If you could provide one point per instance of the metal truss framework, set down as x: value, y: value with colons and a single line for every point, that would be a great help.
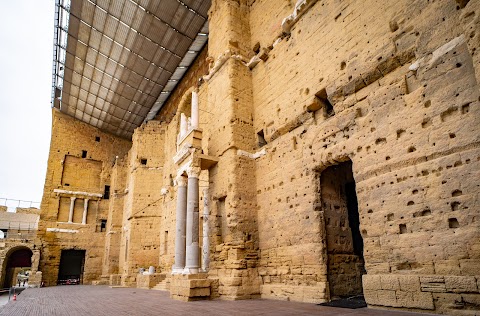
x: 117, y: 61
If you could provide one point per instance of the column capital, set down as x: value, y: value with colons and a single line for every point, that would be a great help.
x: 73, y: 198
x: 181, y: 181
x: 193, y: 172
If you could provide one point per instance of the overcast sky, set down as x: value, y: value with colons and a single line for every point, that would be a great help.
x: 26, y: 44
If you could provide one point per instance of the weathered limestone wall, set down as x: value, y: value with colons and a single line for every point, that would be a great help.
x: 392, y: 90
x: 410, y: 131
x: 233, y: 202
x: 69, y: 138
x: 114, y: 218
x: 142, y: 203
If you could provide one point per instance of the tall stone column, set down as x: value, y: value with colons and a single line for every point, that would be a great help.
x: 206, y: 241
x: 85, y: 210
x: 180, y: 227
x: 194, y: 110
x: 72, y: 206
x: 183, y: 125
x: 192, y: 258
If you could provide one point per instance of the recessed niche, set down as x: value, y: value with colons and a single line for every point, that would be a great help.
x: 453, y: 223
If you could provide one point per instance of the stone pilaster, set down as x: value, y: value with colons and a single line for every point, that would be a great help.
x: 206, y: 231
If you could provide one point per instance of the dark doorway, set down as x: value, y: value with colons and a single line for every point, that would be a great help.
x: 71, y: 267
x: 18, y: 261
x: 344, y: 241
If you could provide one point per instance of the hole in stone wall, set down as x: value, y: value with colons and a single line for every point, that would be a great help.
x: 453, y: 223
x: 261, y: 139
x: 455, y: 206
x: 456, y: 193
x: 402, y: 228
x: 97, y: 138
x: 106, y: 193
x: 143, y: 161
x: 411, y: 149
x: 84, y: 154
x: 343, y: 65
x: 465, y: 108
x: 461, y: 3
x: 425, y: 212
x: 400, y: 132
x: 390, y: 217
x: 323, y: 98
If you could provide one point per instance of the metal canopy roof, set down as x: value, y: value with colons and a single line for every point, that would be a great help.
x: 116, y: 61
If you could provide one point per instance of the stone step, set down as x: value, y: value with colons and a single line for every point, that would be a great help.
x: 161, y: 286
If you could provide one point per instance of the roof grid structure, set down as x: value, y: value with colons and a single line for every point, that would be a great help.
x: 117, y: 61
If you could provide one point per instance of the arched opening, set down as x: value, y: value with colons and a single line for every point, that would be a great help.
x: 17, y: 267
x: 345, y: 262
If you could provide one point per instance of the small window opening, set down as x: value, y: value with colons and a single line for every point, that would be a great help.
x: 403, y: 228
x: 84, y: 154
x: 261, y: 139
x: 106, y: 193
x: 327, y: 106
x: 143, y: 161
x: 103, y: 225
x: 67, y: 184
x: 97, y: 138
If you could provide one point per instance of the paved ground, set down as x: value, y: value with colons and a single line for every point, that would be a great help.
x: 102, y: 300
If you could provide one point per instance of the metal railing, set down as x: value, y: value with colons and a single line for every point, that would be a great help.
x: 12, y: 203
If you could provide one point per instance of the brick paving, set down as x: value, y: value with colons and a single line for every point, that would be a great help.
x: 102, y: 301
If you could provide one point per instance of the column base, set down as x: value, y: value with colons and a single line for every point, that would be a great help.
x: 191, y: 287
x: 190, y: 270
x: 177, y: 270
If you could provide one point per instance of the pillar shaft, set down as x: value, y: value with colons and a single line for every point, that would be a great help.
x: 183, y: 125
x: 194, y: 109
x: 180, y: 225
x: 192, y: 245
x: 206, y: 242
x: 72, y: 206
x: 85, y: 210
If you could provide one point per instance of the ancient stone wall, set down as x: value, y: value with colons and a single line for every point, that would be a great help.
x: 114, y: 218
x: 389, y: 96
x: 74, y: 148
x: 394, y: 90
x: 142, y: 212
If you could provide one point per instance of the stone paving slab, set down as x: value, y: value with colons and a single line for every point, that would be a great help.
x: 73, y: 300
